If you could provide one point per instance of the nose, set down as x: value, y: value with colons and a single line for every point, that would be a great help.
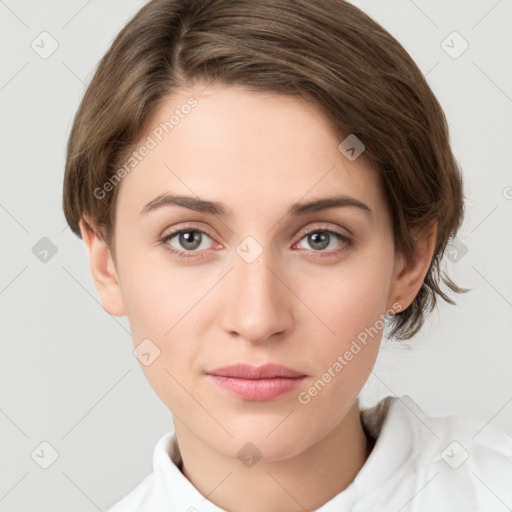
x: 256, y: 301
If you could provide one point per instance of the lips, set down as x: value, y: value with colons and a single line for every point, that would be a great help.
x: 267, y: 371
x: 262, y: 383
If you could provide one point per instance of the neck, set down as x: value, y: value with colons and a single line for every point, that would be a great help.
x: 302, y: 482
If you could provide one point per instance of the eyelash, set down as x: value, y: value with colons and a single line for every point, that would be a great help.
x: 348, y: 242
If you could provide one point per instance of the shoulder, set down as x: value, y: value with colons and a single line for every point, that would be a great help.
x: 166, y: 488
x: 454, y: 439
x: 456, y: 459
x: 148, y: 492
x: 135, y: 498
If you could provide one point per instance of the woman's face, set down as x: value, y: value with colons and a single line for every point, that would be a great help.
x: 257, y: 276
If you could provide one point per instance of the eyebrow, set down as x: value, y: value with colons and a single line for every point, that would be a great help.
x: 215, y: 208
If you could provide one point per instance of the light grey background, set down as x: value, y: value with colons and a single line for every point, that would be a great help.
x: 68, y: 375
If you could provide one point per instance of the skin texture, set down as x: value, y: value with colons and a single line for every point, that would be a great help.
x: 293, y: 305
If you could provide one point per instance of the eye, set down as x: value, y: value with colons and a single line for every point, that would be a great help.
x: 187, y: 240
x: 190, y: 242
x: 321, y: 239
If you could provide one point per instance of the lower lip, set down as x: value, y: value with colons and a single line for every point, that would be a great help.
x: 258, y: 390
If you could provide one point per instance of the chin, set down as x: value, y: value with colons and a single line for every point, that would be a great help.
x: 270, y: 438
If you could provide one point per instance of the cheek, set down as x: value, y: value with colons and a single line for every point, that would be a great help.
x: 169, y: 306
x: 353, y: 306
x: 163, y: 305
x: 352, y: 297
x: 159, y: 296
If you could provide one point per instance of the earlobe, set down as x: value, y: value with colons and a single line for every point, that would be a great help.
x: 409, y: 276
x: 103, y: 271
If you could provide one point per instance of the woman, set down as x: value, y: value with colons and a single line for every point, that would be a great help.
x: 263, y: 186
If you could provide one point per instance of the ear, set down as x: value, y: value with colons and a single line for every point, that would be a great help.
x: 103, y: 271
x: 408, y: 277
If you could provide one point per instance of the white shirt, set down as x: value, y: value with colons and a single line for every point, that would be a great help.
x: 418, y: 464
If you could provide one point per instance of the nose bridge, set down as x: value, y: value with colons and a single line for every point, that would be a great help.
x: 258, y: 304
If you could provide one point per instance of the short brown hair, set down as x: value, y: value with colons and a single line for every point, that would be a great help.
x: 326, y: 51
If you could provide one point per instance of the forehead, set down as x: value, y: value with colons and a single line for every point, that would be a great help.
x: 245, y: 149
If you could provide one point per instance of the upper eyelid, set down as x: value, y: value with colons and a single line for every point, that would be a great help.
x: 186, y: 229
x: 329, y: 230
